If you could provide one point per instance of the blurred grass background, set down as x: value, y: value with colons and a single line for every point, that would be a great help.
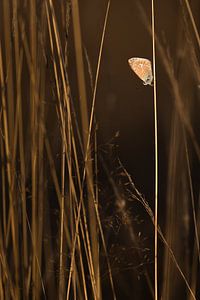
x: 77, y: 150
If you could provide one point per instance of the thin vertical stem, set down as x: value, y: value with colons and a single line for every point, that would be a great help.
x: 156, y: 155
x: 61, y: 274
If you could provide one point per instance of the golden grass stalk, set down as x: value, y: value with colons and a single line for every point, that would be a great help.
x: 156, y: 155
x: 74, y: 147
x: 85, y: 133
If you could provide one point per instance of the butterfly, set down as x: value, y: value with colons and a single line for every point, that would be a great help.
x: 142, y: 68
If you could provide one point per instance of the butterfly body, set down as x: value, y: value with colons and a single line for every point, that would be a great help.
x: 142, y: 68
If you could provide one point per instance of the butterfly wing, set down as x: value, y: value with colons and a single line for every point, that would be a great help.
x: 142, y: 68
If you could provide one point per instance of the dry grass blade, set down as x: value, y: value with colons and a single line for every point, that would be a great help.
x: 192, y: 200
x: 193, y: 22
x: 85, y: 133
x: 156, y: 152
